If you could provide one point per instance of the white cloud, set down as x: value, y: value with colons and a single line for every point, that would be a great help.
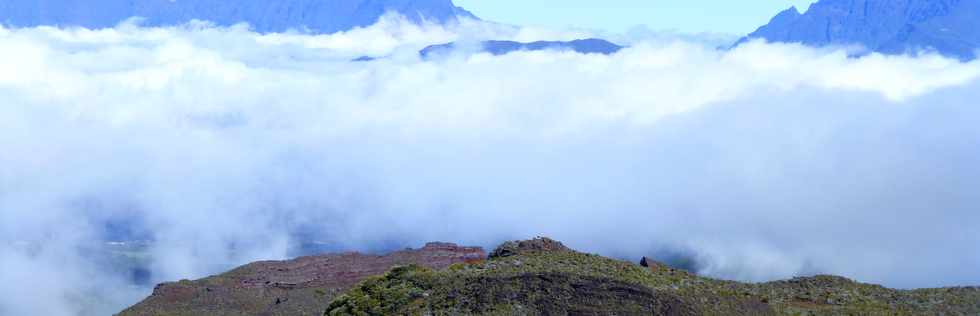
x: 765, y: 161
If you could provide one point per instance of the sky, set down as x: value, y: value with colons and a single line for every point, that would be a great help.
x: 690, y: 16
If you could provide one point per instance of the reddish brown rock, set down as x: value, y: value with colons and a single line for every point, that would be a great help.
x: 302, y: 286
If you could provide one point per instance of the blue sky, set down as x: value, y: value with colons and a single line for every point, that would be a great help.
x: 692, y: 16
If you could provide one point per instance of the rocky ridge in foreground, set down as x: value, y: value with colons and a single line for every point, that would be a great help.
x: 542, y: 277
x: 531, y: 277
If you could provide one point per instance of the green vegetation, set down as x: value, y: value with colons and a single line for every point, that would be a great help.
x: 395, y: 292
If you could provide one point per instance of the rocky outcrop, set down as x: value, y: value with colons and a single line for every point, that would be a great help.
x: 290, y: 287
x: 540, y: 244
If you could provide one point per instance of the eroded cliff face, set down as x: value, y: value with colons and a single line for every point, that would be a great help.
x: 318, y: 16
x: 950, y: 27
x: 293, y: 287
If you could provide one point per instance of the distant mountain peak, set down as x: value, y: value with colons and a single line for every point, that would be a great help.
x: 949, y: 27
x: 318, y: 16
x: 792, y: 12
x: 529, y: 277
x: 582, y: 46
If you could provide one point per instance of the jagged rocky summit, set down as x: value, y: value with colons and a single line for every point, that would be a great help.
x: 949, y: 27
x: 317, y: 16
x: 531, y: 277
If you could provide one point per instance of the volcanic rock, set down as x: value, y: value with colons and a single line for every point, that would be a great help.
x: 540, y: 244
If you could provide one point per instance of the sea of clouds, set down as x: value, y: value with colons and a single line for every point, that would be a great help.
x: 220, y: 146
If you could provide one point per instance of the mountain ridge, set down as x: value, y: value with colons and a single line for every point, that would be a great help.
x: 503, y: 47
x: 498, y: 47
x: 948, y: 27
x: 317, y: 16
x: 540, y: 276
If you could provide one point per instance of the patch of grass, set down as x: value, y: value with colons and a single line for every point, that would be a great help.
x: 399, y: 291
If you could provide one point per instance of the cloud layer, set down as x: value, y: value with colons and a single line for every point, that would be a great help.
x: 223, y: 146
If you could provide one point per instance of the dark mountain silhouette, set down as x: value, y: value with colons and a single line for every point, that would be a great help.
x: 318, y: 16
x: 949, y: 27
x: 584, y: 46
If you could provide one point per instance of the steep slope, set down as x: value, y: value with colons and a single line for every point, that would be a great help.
x: 303, y: 286
x: 319, y: 16
x: 541, y: 277
x: 950, y: 27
